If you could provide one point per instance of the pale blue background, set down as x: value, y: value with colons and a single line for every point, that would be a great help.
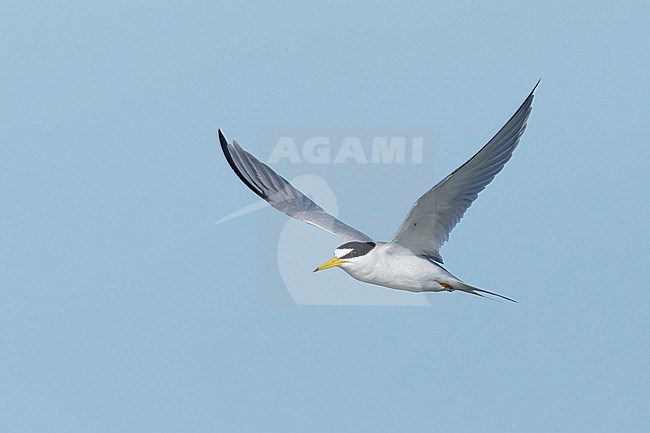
x: 123, y: 308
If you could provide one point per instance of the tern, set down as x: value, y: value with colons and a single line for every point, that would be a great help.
x: 410, y: 261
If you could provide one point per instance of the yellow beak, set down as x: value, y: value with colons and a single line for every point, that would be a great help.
x: 329, y: 264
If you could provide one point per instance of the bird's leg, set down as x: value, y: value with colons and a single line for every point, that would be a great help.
x: 446, y: 286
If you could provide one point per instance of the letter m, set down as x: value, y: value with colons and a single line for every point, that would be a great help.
x: 386, y: 152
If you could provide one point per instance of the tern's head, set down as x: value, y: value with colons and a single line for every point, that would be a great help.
x: 348, y: 254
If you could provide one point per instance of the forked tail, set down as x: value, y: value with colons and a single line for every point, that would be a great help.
x: 479, y: 292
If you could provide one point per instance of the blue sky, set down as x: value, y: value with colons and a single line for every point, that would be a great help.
x: 125, y: 308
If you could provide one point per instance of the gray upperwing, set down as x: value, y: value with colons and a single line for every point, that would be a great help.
x: 436, y: 213
x: 283, y: 196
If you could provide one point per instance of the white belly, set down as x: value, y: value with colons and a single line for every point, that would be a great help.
x: 400, y: 269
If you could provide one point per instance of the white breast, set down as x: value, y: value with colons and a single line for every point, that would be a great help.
x: 397, y: 268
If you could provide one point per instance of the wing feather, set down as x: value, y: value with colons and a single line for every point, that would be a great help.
x: 435, y: 214
x: 283, y: 196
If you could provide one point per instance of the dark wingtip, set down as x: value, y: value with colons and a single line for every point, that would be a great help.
x: 231, y: 162
x: 532, y: 92
x: 222, y: 139
x: 528, y: 102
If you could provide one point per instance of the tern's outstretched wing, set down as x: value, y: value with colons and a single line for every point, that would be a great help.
x: 437, y: 212
x: 280, y: 194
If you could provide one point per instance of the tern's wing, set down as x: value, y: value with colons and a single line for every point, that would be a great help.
x: 437, y: 212
x: 280, y: 194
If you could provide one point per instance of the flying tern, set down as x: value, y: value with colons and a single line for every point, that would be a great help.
x: 411, y: 260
